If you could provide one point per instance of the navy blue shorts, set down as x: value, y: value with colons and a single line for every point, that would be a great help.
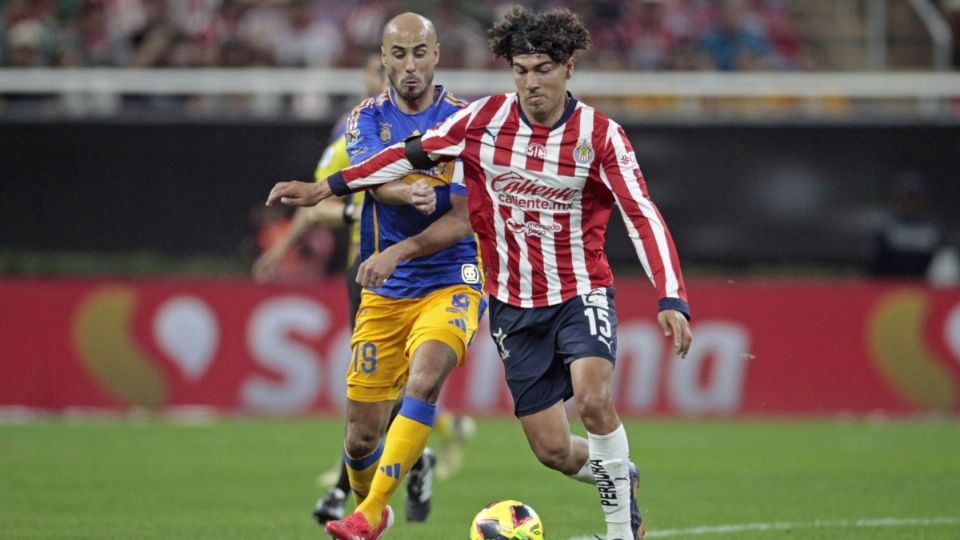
x: 537, y: 345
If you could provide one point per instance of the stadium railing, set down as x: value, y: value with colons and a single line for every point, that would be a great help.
x: 931, y: 95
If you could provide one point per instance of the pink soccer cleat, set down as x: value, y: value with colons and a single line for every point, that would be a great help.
x: 356, y: 527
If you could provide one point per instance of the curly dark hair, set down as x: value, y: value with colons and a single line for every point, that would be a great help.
x: 557, y: 33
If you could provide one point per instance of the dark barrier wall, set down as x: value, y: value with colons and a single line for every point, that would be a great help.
x: 730, y: 193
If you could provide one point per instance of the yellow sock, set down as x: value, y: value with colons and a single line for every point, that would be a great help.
x: 405, y: 441
x: 360, y: 471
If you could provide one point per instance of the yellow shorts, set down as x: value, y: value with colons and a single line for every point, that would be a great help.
x: 389, y: 330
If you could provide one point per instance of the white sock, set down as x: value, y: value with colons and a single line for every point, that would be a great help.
x: 585, y: 474
x: 610, y: 463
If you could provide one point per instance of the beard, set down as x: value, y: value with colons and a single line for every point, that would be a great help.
x: 410, y: 94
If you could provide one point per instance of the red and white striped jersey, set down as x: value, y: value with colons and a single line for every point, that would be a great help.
x: 540, y: 198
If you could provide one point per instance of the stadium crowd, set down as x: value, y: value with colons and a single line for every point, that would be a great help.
x: 637, y: 35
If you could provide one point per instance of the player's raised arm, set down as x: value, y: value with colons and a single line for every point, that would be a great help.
x: 442, y: 143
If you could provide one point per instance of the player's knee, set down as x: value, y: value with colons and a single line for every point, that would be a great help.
x: 553, y: 456
x: 424, y: 388
x: 360, y: 441
x: 596, y: 410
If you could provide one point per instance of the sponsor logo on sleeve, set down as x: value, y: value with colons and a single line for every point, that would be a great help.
x: 470, y: 273
x: 352, y: 136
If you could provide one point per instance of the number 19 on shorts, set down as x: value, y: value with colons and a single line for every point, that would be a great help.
x: 364, y: 358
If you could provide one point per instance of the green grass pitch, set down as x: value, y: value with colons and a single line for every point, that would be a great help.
x: 255, y: 478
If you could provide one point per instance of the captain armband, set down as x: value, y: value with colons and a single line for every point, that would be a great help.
x: 416, y: 156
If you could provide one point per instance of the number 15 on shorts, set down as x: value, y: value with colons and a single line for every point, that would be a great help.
x: 599, y: 320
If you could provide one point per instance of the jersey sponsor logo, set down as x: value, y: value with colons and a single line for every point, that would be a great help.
x: 529, y: 194
x: 628, y: 160
x: 583, y: 152
x: 352, y: 136
x: 532, y: 228
x: 470, y: 273
x: 596, y: 298
x: 385, y: 134
x: 606, y: 484
x: 537, y: 151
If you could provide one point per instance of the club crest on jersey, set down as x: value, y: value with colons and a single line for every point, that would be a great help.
x: 583, y: 152
x: 385, y: 134
x: 537, y: 151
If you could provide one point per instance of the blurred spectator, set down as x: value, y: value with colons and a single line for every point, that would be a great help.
x: 90, y: 41
x: 654, y: 39
x: 305, y: 39
x: 735, y: 42
x: 152, y: 36
x: 645, y: 34
x: 628, y: 34
x: 909, y: 238
x: 951, y: 12
x: 28, y: 44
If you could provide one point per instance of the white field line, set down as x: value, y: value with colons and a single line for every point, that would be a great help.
x: 783, y: 526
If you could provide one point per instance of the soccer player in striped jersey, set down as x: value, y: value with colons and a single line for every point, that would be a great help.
x: 543, y: 172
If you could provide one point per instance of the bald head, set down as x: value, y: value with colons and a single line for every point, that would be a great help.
x: 410, y: 53
x: 409, y: 27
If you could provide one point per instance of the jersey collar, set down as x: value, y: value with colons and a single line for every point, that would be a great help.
x: 571, y: 105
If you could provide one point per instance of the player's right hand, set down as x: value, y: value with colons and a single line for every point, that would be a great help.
x: 297, y: 193
x: 423, y: 197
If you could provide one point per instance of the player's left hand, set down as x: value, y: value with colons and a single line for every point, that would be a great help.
x: 423, y: 197
x: 374, y: 271
x: 675, y: 324
x: 297, y: 193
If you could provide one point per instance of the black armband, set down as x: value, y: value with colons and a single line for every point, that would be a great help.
x: 416, y: 156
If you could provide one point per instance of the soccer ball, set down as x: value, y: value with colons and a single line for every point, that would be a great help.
x: 506, y: 520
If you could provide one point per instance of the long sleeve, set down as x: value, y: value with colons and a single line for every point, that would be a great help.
x: 443, y: 142
x: 648, y: 231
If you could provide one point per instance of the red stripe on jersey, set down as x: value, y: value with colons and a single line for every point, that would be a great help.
x: 479, y: 203
x: 564, y: 251
x: 571, y: 132
x: 513, y: 260
x: 537, y: 149
x: 632, y: 208
x: 593, y: 222
x: 456, y: 133
x: 538, y: 272
x: 505, y: 138
x: 374, y: 163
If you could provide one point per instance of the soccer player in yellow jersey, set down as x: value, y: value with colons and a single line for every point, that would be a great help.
x: 422, y: 299
x: 334, y: 213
